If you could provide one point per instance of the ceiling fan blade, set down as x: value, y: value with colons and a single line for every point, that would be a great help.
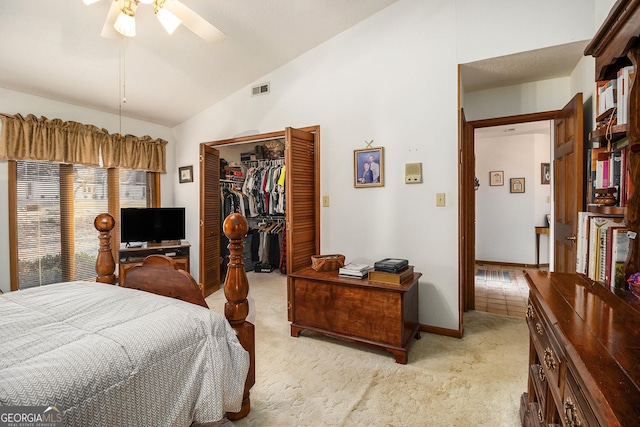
x: 108, y: 31
x: 195, y: 22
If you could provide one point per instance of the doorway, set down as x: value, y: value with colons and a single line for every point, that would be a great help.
x: 513, y: 198
x: 467, y: 191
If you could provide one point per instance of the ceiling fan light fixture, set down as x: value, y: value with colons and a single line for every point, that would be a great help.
x: 126, y: 22
x: 168, y: 20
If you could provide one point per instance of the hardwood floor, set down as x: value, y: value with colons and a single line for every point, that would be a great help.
x: 494, y: 294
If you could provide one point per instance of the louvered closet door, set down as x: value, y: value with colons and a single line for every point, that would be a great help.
x: 209, y: 219
x: 303, y: 207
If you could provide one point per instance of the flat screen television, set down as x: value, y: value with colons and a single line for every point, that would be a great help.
x: 152, y: 225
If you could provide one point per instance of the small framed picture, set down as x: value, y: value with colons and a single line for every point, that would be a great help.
x: 186, y: 174
x: 517, y: 185
x: 368, y: 167
x: 545, y: 173
x: 496, y: 178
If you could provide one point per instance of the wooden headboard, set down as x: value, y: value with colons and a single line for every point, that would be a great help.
x: 160, y: 275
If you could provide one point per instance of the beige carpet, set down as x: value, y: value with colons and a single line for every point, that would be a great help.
x: 315, y: 380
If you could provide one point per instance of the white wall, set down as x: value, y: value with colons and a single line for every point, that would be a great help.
x: 12, y: 102
x: 602, y: 8
x: 545, y: 95
x: 505, y: 221
x: 393, y: 79
x: 502, y: 27
x: 360, y: 86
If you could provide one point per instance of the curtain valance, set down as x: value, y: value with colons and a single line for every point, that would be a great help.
x: 33, y: 138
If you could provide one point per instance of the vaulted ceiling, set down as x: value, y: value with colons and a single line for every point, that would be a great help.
x: 54, y: 49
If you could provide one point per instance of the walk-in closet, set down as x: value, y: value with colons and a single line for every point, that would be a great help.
x: 273, y: 180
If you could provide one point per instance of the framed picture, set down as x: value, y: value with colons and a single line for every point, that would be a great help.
x: 368, y: 167
x: 496, y: 178
x: 186, y: 174
x: 517, y: 185
x: 545, y: 173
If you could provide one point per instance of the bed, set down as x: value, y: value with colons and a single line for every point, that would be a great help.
x: 148, y: 352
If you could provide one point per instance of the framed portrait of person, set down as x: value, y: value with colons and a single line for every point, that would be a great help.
x: 368, y: 167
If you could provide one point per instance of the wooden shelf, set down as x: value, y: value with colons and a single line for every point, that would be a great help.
x: 600, y: 135
x: 607, y: 210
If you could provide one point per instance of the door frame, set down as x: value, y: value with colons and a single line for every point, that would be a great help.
x: 467, y: 191
x: 255, y: 138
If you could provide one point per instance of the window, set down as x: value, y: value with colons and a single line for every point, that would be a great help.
x: 55, y: 206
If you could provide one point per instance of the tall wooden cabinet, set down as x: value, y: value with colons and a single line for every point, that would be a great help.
x: 584, y: 337
x: 302, y: 182
x: 615, y: 46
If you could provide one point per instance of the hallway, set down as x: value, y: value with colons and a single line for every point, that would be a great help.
x: 501, y: 290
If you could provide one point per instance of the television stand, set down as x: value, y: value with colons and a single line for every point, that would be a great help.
x: 164, y: 243
x: 129, y: 257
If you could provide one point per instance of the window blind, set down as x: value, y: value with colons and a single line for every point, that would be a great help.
x: 56, y: 207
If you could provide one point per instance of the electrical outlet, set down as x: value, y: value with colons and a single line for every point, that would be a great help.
x: 440, y: 200
x: 325, y: 201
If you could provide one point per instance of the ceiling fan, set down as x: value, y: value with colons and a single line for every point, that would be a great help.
x: 120, y: 19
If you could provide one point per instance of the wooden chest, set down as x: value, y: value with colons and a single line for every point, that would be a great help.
x: 378, y: 314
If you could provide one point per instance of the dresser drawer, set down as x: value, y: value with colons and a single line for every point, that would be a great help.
x: 536, y: 418
x: 551, y: 357
x: 576, y: 410
x: 539, y: 380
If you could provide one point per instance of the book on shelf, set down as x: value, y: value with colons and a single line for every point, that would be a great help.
x: 598, y: 226
x: 391, y: 278
x: 582, y: 241
x: 606, y: 95
x: 617, y: 248
x: 602, y: 170
x: 619, y: 255
x: 608, y: 170
x: 624, y: 80
x: 355, y: 270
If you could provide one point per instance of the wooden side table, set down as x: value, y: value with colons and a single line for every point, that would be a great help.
x: 539, y: 231
x: 378, y: 314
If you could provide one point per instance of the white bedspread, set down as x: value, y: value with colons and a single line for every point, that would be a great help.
x: 109, y: 356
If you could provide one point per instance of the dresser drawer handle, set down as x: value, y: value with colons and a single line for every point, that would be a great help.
x: 539, y: 329
x: 541, y: 374
x: 570, y: 414
x: 529, y: 312
x: 549, y: 359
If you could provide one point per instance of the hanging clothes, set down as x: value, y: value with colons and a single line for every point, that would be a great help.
x: 270, y: 248
x: 264, y: 186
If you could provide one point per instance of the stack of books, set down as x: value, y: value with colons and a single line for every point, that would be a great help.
x: 391, y: 271
x: 353, y: 270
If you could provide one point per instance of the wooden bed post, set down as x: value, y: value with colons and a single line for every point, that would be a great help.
x: 236, y: 309
x: 105, y: 264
